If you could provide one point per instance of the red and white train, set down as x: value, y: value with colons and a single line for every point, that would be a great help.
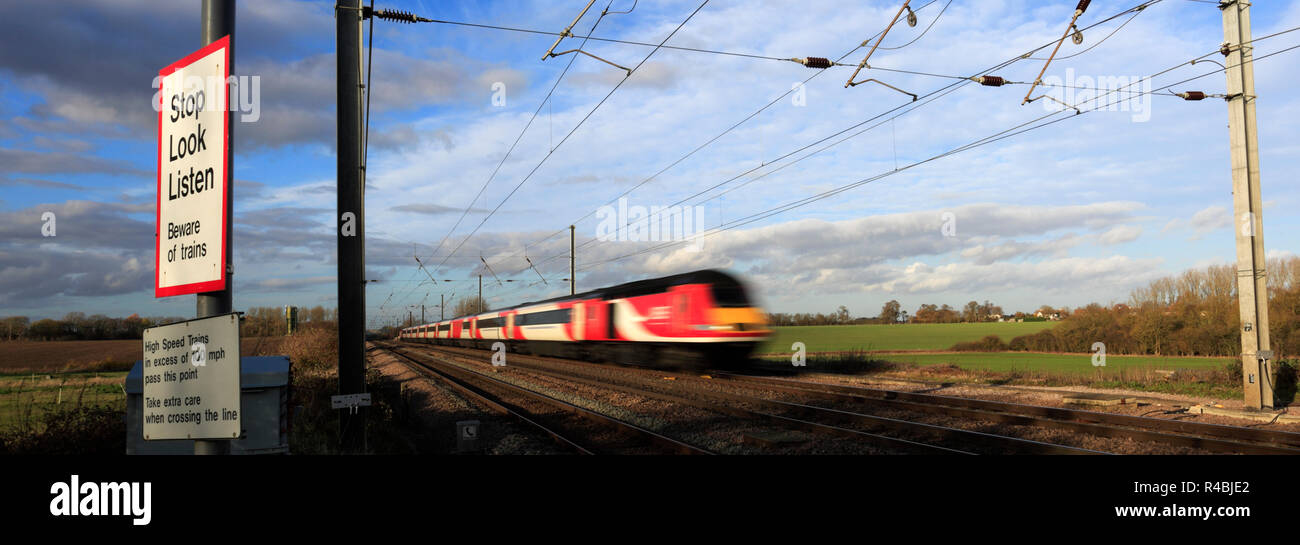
x: 702, y: 319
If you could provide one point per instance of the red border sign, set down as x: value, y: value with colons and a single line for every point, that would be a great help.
x: 213, y: 285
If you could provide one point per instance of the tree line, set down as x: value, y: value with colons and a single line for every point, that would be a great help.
x: 841, y: 316
x: 1191, y: 314
x: 893, y: 313
x: 76, y: 326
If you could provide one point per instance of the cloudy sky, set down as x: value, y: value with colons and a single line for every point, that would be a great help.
x: 1081, y: 210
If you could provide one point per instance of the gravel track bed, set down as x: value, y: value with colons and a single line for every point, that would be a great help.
x: 438, y: 408
x: 1151, y: 404
x: 715, y: 431
x: 593, y: 435
x: 687, y: 384
x: 681, y: 385
x: 1164, y: 407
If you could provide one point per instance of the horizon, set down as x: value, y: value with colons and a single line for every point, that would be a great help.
x: 1061, y: 216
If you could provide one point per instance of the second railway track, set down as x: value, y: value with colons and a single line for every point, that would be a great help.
x: 879, y: 433
x: 835, y: 410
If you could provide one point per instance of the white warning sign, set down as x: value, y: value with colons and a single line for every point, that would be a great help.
x: 191, y: 379
x: 193, y: 144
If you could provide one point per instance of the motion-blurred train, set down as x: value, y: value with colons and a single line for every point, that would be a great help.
x: 698, y: 319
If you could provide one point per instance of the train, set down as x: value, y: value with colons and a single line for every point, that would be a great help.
x: 700, y: 319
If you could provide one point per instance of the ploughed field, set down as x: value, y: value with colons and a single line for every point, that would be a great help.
x: 72, y: 356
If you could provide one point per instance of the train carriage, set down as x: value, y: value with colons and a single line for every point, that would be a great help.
x: 702, y: 318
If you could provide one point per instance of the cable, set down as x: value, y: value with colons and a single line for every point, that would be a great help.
x: 1139, y: 7
x: 611, y: 40
x: 940, y: 92
x: 1136, y: 10
x: 978, y: 143
x: 511, y: 150
x: 1008, y: 133
x: 927, y: 29
x: 515, y: 144
x: 701, y: 146
x: 575, y: 129
x: 1112, y: 33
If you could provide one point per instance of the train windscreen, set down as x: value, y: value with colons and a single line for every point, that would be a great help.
x: 727, y: 294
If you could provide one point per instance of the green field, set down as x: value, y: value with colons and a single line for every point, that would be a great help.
x: 892, y: 342
x: 27, y: 396
x: 893, y: 337
x: 1075, y: 364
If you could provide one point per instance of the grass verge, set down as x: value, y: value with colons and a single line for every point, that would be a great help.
x: 1209, y: 378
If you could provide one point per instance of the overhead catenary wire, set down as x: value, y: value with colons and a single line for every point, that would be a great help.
x: 647, y: 44
x: 1001, y: 135
x: 1136, y: 9
x: 1078, y: 11
x: 697, y: 149
x: 942, y: 90
x: 988, y: 140
x: 1013, y: 82
x: 571, y: 132
x: 628, y: 191
x: 575, y: 129
x: 509, y: 151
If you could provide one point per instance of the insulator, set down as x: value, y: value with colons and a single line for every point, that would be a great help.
x: 396, y: 15
x: 1192, y: 95
x: 816, y: 62
x: 1083, y: 6
x: 990, y: 81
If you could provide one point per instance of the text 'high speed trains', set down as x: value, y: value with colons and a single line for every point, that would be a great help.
x: 697, y: 319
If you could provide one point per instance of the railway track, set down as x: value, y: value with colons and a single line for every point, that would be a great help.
x: 1212, y: 437
x: 890, y: 434
x: 1175, y: 433
x: 578, y: 429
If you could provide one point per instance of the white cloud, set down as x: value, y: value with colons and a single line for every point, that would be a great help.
x: 1210, y: 218
x: 1120, y: 234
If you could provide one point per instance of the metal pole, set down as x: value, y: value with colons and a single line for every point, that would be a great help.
x: 573, y: 274
x: 216, y: 20
x: 1252, y: 288
x: 442, y: 307
x: 421, y: 313
x: 351, y: 218
x: 566, y: 32
x: 480, y: 294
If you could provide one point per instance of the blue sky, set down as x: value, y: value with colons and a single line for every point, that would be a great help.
x: 1082, y: 210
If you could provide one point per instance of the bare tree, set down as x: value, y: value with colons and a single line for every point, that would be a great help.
x: 890, y: 313
x: 470, y: 305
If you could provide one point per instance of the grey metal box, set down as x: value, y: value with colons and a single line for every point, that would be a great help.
x: 264, y: 404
